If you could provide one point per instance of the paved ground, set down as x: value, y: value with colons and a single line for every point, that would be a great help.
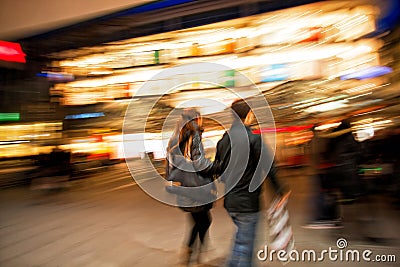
x: 106, y: 220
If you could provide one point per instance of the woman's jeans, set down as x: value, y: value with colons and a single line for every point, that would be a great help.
x: 242, y: 253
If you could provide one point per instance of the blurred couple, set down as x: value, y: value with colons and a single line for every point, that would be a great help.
x: 238, y: 153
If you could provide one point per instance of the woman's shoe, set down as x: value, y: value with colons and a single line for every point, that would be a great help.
x: 201, y: 254
x: 186, y: 256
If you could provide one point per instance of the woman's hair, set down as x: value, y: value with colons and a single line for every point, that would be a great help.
x: 188, y: 126
x: 185, y: 128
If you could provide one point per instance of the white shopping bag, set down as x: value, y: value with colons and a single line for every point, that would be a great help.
x: 280, y: 230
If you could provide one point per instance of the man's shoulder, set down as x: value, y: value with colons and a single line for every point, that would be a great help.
x: 252, y: 137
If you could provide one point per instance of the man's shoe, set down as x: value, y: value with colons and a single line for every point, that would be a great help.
x: 346, y: 201
x: 324, y: 224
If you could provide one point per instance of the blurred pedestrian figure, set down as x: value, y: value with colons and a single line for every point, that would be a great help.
x: 237, y: 156
x: 345, y: 154
x: 54, y: 170
x: 336, y: 156
x: 185, y: 151
x: 324, y: 204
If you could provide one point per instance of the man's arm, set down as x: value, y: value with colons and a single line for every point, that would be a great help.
x: 277, y: 186
x: 266, y: 167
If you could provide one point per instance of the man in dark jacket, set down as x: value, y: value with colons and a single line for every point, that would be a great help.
x: 237, y: 163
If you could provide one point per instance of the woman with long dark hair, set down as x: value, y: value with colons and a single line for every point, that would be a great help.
x: 185, y: 147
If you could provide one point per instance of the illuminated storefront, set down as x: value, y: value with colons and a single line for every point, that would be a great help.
x: 23, y: 140
x: 310, y: 42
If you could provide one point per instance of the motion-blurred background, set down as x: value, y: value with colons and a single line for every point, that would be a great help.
x: 315, y: 62
x: 69, y: 70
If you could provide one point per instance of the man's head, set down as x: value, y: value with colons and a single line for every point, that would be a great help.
x: 242, y: 110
